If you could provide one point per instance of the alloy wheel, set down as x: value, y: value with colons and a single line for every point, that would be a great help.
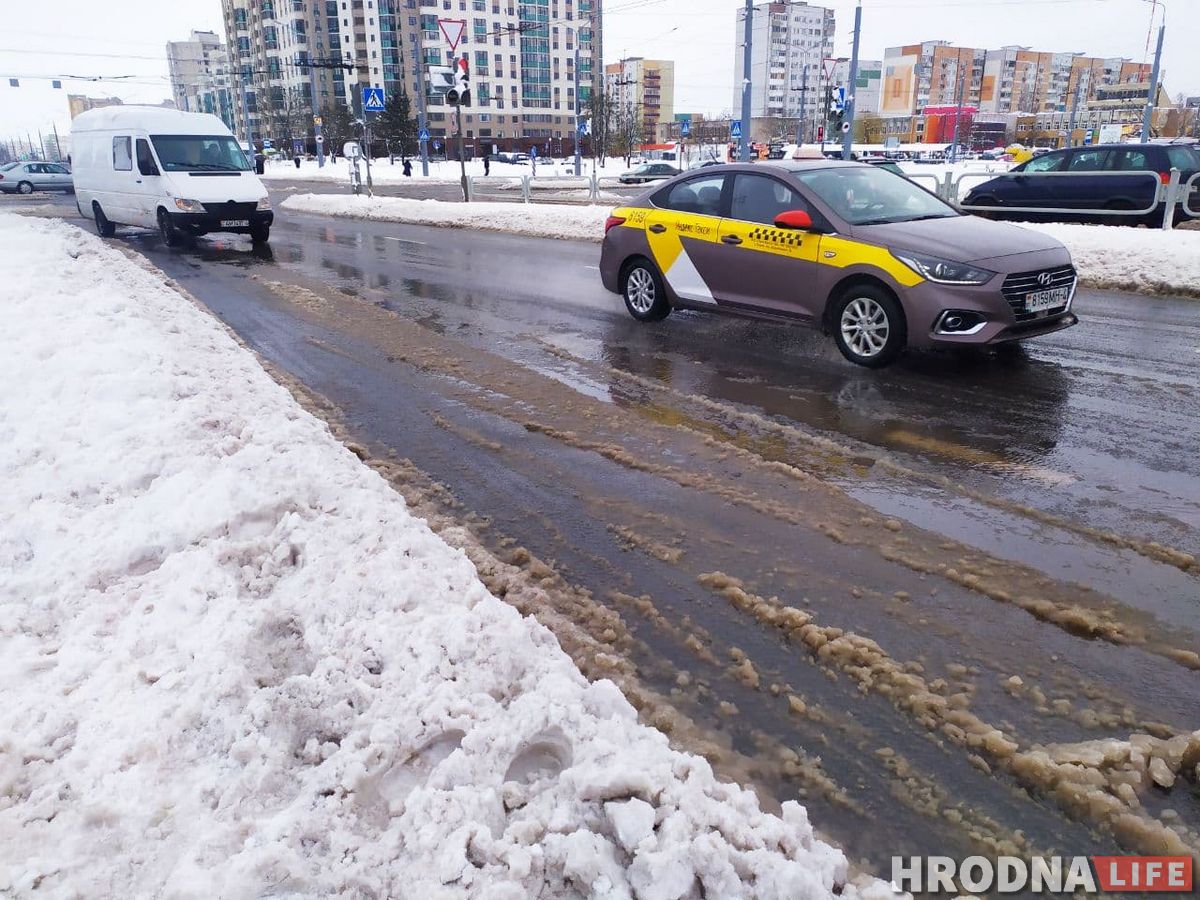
x: 865, y: 327
x: 640, y: 288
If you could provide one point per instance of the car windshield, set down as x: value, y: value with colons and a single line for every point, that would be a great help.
x: 199, y: 153
x: 7, y: 166
x: 868, y: 195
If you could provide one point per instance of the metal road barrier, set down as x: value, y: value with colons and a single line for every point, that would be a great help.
x: 582, y: 189
x: 929, y: 178
x: 1190, y: 202
x: 1161, y: 192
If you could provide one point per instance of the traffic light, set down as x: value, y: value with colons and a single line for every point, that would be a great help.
x: 460, y: 94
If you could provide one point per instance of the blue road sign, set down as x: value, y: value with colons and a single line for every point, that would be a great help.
x: 372, y: 99
x: 685, y: 128
x: 583, y: 126
x: 735, y: 128
x: 423, y: 134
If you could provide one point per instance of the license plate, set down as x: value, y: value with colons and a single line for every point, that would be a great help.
x: 1040, y: 301
x: 235, y: 223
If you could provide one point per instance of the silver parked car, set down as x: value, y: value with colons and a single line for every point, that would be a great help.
x: 27, y: 177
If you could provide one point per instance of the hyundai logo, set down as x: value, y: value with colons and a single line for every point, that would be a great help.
x: 1045, y: 279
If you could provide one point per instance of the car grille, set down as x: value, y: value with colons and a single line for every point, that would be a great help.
x: 1016, y: 286
x: 231, y: 210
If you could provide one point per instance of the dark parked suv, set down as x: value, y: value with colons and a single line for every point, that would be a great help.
x: 1026, y: 187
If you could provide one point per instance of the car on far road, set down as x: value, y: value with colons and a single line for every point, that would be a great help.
x: 1037, y: 184
x: 648, y: 172
x: 35, y: 175
x: 515, y: 159
x: 863, y: 254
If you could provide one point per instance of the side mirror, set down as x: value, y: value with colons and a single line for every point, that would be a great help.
x: 796, y: 219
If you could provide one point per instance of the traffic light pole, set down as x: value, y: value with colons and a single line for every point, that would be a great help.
x: 1152, y: 94
x: 578, y: 110
x: 462, y: 158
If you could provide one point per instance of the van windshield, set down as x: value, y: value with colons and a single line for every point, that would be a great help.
x: 199, y: 153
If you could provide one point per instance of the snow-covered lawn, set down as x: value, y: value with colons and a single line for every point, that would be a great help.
x: 382, y: 171
x: 1130, y: 259
x: 234, y: 665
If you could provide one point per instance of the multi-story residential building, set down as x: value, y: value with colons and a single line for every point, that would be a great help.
x: 521, y: 55
x: 789, y: 43
x: 200, y: 77
x: 933, y: 73
x: 647, y: 88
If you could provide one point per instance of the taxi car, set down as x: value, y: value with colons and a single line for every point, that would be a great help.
x: 864, y: 254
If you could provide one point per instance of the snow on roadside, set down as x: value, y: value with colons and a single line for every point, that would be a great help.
x: 234, y: 664
x: 578, y: 223
x: 1142, y: 260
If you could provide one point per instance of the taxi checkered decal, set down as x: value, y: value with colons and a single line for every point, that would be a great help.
x: 777, y: 236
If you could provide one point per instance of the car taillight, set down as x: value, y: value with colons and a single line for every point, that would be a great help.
x: 1164, y: 177
x: 612, y: 222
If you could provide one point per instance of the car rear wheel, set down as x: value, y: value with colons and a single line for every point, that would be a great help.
x: 25, y: 187
x: 104, y: 227
x: 644, y: 292
x: 869, y: 327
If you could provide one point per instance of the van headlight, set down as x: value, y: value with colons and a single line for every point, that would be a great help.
x: 944, y: 271
x: 189, y: 206
x: 264, y: 203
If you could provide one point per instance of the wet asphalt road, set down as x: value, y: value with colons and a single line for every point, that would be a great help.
x: 638, y: 460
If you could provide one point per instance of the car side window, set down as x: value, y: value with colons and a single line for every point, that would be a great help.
x: 1051, y: 162
x: 122, y: 155
x: 701, y: 196
x: 1087, y: 160
x: 56, y: 170
x: 1129, y: 161
x: 145, y: 159
x: 760, y: 198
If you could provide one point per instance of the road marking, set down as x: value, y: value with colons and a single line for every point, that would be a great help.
x: 597, y: 268
x: 403, y: 240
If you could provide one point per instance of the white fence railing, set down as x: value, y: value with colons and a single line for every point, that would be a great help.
x: 579, y: 189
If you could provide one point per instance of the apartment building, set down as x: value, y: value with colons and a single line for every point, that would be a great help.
x: 200, y: 76
x: 77, y: 103
x: 521, y: 53
x: 789, y: 43
x: 646, y: 86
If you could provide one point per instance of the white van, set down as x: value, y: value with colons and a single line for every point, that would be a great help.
x: 183, y: 173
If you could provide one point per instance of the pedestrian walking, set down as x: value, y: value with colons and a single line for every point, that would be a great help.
x: 407, y: 168
x: 296, y: 160
x: 487, y: 164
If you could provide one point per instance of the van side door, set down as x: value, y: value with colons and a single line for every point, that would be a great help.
x: 119, y: 200
x: 148, y: 189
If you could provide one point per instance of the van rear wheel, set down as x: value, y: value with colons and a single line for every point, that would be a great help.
x: 104, y: 228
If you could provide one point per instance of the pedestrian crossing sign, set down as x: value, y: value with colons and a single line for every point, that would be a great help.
x: 423, y: 134
x: 372, y: 99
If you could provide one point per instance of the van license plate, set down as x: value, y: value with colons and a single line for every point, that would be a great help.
x: 1043, y: 300
x: 235, y: 223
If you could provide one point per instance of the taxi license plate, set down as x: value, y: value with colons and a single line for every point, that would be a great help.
x: 234, y: 223
x: 1040, y: 301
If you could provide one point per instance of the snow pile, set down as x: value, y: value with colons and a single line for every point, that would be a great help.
x: 235, y: 665
x: 579, y: 223
x: 1145, y: 260
x: 1131, y: 259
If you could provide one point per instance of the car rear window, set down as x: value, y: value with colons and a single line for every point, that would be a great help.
x: 1183, y: 158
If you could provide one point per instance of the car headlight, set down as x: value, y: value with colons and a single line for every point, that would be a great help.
x: 264, y: 203
x: 944, y: 271
x: 189, y: 206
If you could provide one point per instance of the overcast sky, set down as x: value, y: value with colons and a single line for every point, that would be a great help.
x: 697, y: 34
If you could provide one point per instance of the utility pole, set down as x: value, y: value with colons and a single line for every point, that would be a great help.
x: 803, y: 101
x: 1151, y: 95
x: 852, y: 86
x: 422, y: 121
x: 578, y: 110
x: 57, y: 145
x: 1075, y: 107
x: 747, y: 45
x: 958, y: 101
x: 316, y: 114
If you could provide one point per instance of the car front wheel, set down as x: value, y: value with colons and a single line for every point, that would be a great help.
x: 869, y: 327
x: 645, y: 295
x: 25, y: 187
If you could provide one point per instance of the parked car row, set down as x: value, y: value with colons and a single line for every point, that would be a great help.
x: 35, y: 175
x: 1059, y: 180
